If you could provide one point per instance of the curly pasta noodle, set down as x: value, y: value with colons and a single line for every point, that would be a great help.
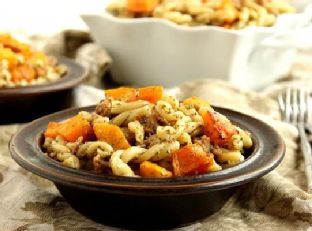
x: 94, y: 148
x: 166, y: 151
x: 121, y: 118
x: 57, y: 149
x: 192, y: 113
x: 246, y: 138
x: 228, y: 157
x: 185, y: 138
x: 170, y: 133
x: 155, y: 153
x: 214, y: 167
x: 138, y: 130
x: 120, y: 158
x: 94, y: 118
x: 119, y: 106
x: 183, y: 123
x: 166, y: 111
x: 131, y: 115
x: 172, y: 101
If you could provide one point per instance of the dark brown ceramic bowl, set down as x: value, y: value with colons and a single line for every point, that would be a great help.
x: 23, y: 104
x: 141, y: 202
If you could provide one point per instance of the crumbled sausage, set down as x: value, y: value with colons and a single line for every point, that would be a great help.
x: 151, y: 140
x: 204, y: 142
x: 130, y: 136
x: 104, y: 108
x: 197, y: 132
x: 149, y: 124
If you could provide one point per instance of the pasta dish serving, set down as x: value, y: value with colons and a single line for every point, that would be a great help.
x: 20, y: 65
x: 144, y: 133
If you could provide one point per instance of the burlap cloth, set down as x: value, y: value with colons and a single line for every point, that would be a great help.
x: 277, y: 201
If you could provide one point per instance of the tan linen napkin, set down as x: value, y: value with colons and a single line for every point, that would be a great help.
x: 274, y: 202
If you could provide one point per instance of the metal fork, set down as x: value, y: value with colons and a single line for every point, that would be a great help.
x: 295, y: 106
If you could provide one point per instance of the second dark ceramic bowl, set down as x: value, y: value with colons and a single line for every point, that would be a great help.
x: 148, y: 203
x: 23, y: 104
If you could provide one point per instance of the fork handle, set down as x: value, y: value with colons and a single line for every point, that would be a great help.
x: 307, y: 155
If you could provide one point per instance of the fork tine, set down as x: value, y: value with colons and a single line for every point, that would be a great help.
x: 288, y: 105
x: 302, y: 106
x: 294, y: 106
x: 308, y: 107
x: 308, y: 112
x: 281, y: 104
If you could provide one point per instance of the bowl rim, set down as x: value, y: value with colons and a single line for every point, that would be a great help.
x: 25, y: 150
x: 172, y: 25
x: 74, y: 75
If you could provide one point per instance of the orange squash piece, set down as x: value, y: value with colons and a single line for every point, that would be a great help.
x: 151, y: 94
x: 190, y: 160
x: 52, y: 130
x: 152, y: 170
x: 36, y: 57
x: 123, y: 93
x: 10, y: 56
x: 4, y: 37
x: 219, y: 129
x: 71, y: 129
x: 23, y: 72
x: 142, y: 6
x: 74, y: 128
x: 197, y: 102
x: 111, y: 134
x: 8, y: 41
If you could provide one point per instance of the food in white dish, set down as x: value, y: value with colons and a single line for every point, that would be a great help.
x: 225, y: 13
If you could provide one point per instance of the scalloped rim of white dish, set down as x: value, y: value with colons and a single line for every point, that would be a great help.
x: 104, y: 13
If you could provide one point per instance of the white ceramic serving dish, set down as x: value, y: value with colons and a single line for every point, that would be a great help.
x: 149, y: 51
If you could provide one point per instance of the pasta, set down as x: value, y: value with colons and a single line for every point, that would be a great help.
x: 119, y: 167
x: 20, y: 65
x: 119, y: 107
x: 156, y: 138
x: 138, y: 130
x: 94, y: 148
x: 61, y: 151
x: 226, y: 13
